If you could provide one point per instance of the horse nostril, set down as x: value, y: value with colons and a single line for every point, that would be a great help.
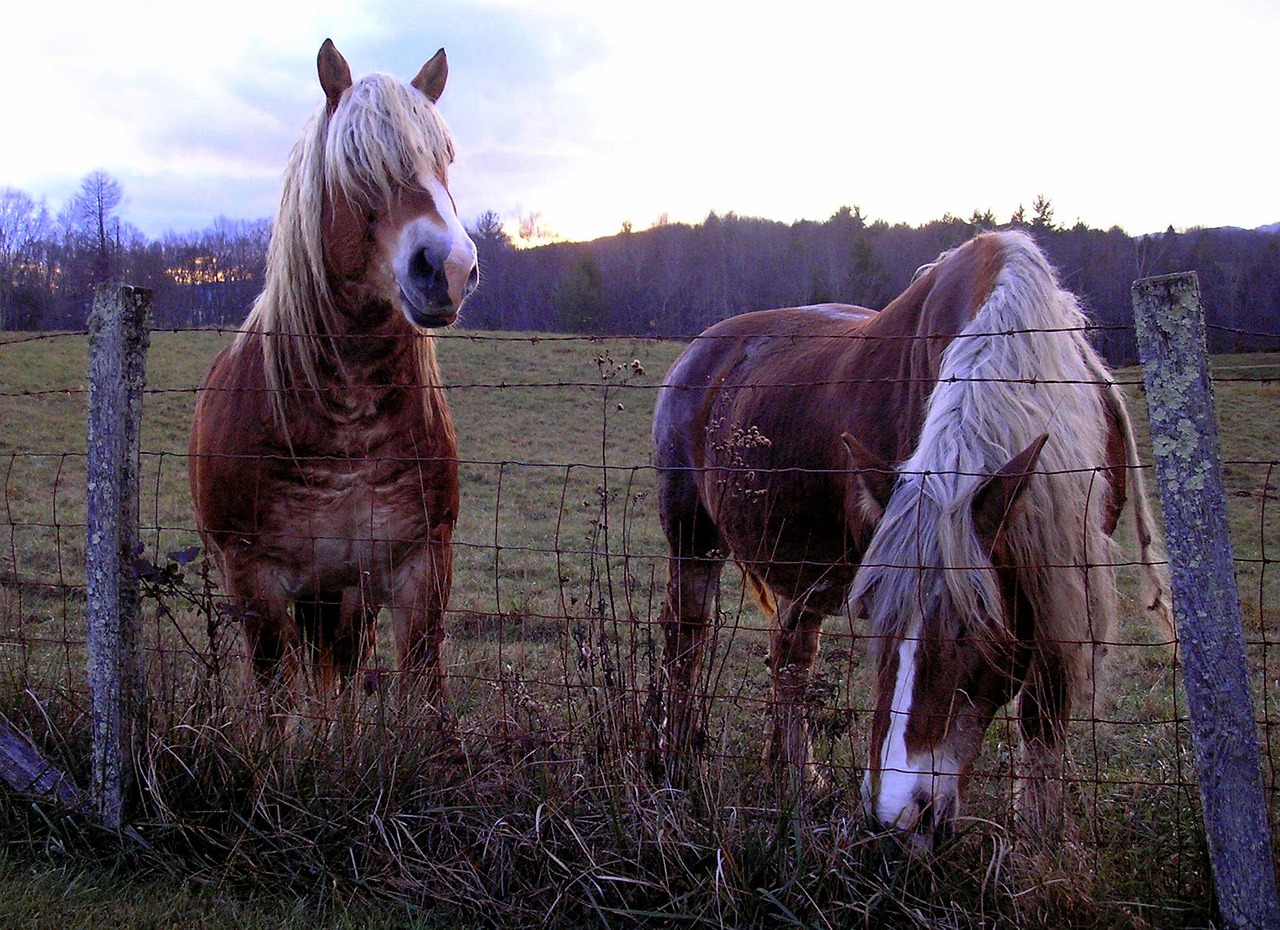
x: 473, y: 279
x: 428, y: 275
x: 419, y: 264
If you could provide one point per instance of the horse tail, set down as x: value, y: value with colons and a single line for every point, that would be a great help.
x: 1151, y: 556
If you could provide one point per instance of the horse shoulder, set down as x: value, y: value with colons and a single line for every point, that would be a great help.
x: 421, y: 458
x: 230, y: 439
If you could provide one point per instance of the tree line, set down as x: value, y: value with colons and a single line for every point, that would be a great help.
x: 672, y: 280
x: 675, y: 280
x: 51, y: 263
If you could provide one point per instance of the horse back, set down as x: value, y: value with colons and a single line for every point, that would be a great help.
x: 746, y: 435
x: 745, y: 367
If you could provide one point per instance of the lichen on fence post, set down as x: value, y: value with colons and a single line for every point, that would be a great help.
x: 118, y: 342
x: 1184, y: 437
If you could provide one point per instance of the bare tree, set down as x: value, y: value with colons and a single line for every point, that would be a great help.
x: 25, y: 229
x: 92, y: 215
x: 533, y: 229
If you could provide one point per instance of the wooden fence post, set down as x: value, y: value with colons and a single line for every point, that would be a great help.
x: 1184, y: 436
x: 118, y: 341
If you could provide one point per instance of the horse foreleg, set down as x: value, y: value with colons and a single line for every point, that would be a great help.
x: 691, y: 589
x: 271, y: 638
x: 419, y: 628
x: 275, y: 660
x: 793, y: 648
x: 319, y: 619
x: 1044, y: 707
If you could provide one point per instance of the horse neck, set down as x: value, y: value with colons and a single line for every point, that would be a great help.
x: 351, y: 357
x: 898, y: 362
x: 375, y: 344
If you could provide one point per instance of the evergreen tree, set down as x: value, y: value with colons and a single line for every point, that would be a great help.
x: 579, y: 298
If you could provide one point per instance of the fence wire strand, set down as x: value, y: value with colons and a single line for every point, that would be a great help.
x: 560, y: 571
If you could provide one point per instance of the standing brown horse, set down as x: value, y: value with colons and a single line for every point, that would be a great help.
x: 773, y: 438
x: 322, y: 455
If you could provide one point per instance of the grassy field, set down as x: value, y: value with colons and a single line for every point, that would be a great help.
x: 539, y: 810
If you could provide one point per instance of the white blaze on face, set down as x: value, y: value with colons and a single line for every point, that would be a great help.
x: 899, y: 777
x: 461, y: 255
x: 442, y: 238
x: 907, y: 778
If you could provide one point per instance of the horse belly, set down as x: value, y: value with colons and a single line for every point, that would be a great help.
x: 782, y: 517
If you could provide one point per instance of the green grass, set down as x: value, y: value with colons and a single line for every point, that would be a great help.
x: 43, y: 896
x: 541, y: 810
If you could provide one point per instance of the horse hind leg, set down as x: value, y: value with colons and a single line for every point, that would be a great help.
x: 353, y: 643
x: 685, y: 617
x: 693, y: 582
x: 317, y: 619
x: 793, y: 649
x: 337, y: 628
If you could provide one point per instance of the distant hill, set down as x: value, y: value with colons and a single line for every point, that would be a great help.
x: 674, y: 280
x: 1269, y: 230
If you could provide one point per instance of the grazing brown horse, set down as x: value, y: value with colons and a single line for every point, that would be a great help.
x: 322, y: 455
x: 963, y: 452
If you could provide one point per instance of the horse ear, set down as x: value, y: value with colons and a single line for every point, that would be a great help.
x: 335, y: 73
x: 997, y: 499
x: 431, y: 78
x: 871, y: 481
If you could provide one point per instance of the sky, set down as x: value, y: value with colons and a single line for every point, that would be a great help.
x: 587, y: 114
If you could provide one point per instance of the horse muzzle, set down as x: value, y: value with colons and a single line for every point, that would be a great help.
x: 425, y: 313
x: 919, y: 822
x: 432, y: 290
x: 434, y: 275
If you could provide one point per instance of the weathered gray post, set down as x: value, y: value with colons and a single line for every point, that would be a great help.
x: 1184, y: 436
x: 118, y: 341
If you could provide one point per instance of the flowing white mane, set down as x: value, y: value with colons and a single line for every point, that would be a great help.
x: 1021, y: 368
x: 383, y: 134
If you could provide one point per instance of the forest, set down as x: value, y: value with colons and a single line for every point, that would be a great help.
x: 671, y: 280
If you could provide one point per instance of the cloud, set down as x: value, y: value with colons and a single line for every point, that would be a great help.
x: 153, y: 95
x: 189, y: 200
x: 593, y: 113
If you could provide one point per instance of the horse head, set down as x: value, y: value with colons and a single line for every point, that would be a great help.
x: 952, y: 630
x: 390, y: 227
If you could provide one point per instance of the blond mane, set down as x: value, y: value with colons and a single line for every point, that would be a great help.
x: 382, y: 135
x: 1021, y: 368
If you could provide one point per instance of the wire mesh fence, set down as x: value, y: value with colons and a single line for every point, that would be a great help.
x: 554, y: 660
